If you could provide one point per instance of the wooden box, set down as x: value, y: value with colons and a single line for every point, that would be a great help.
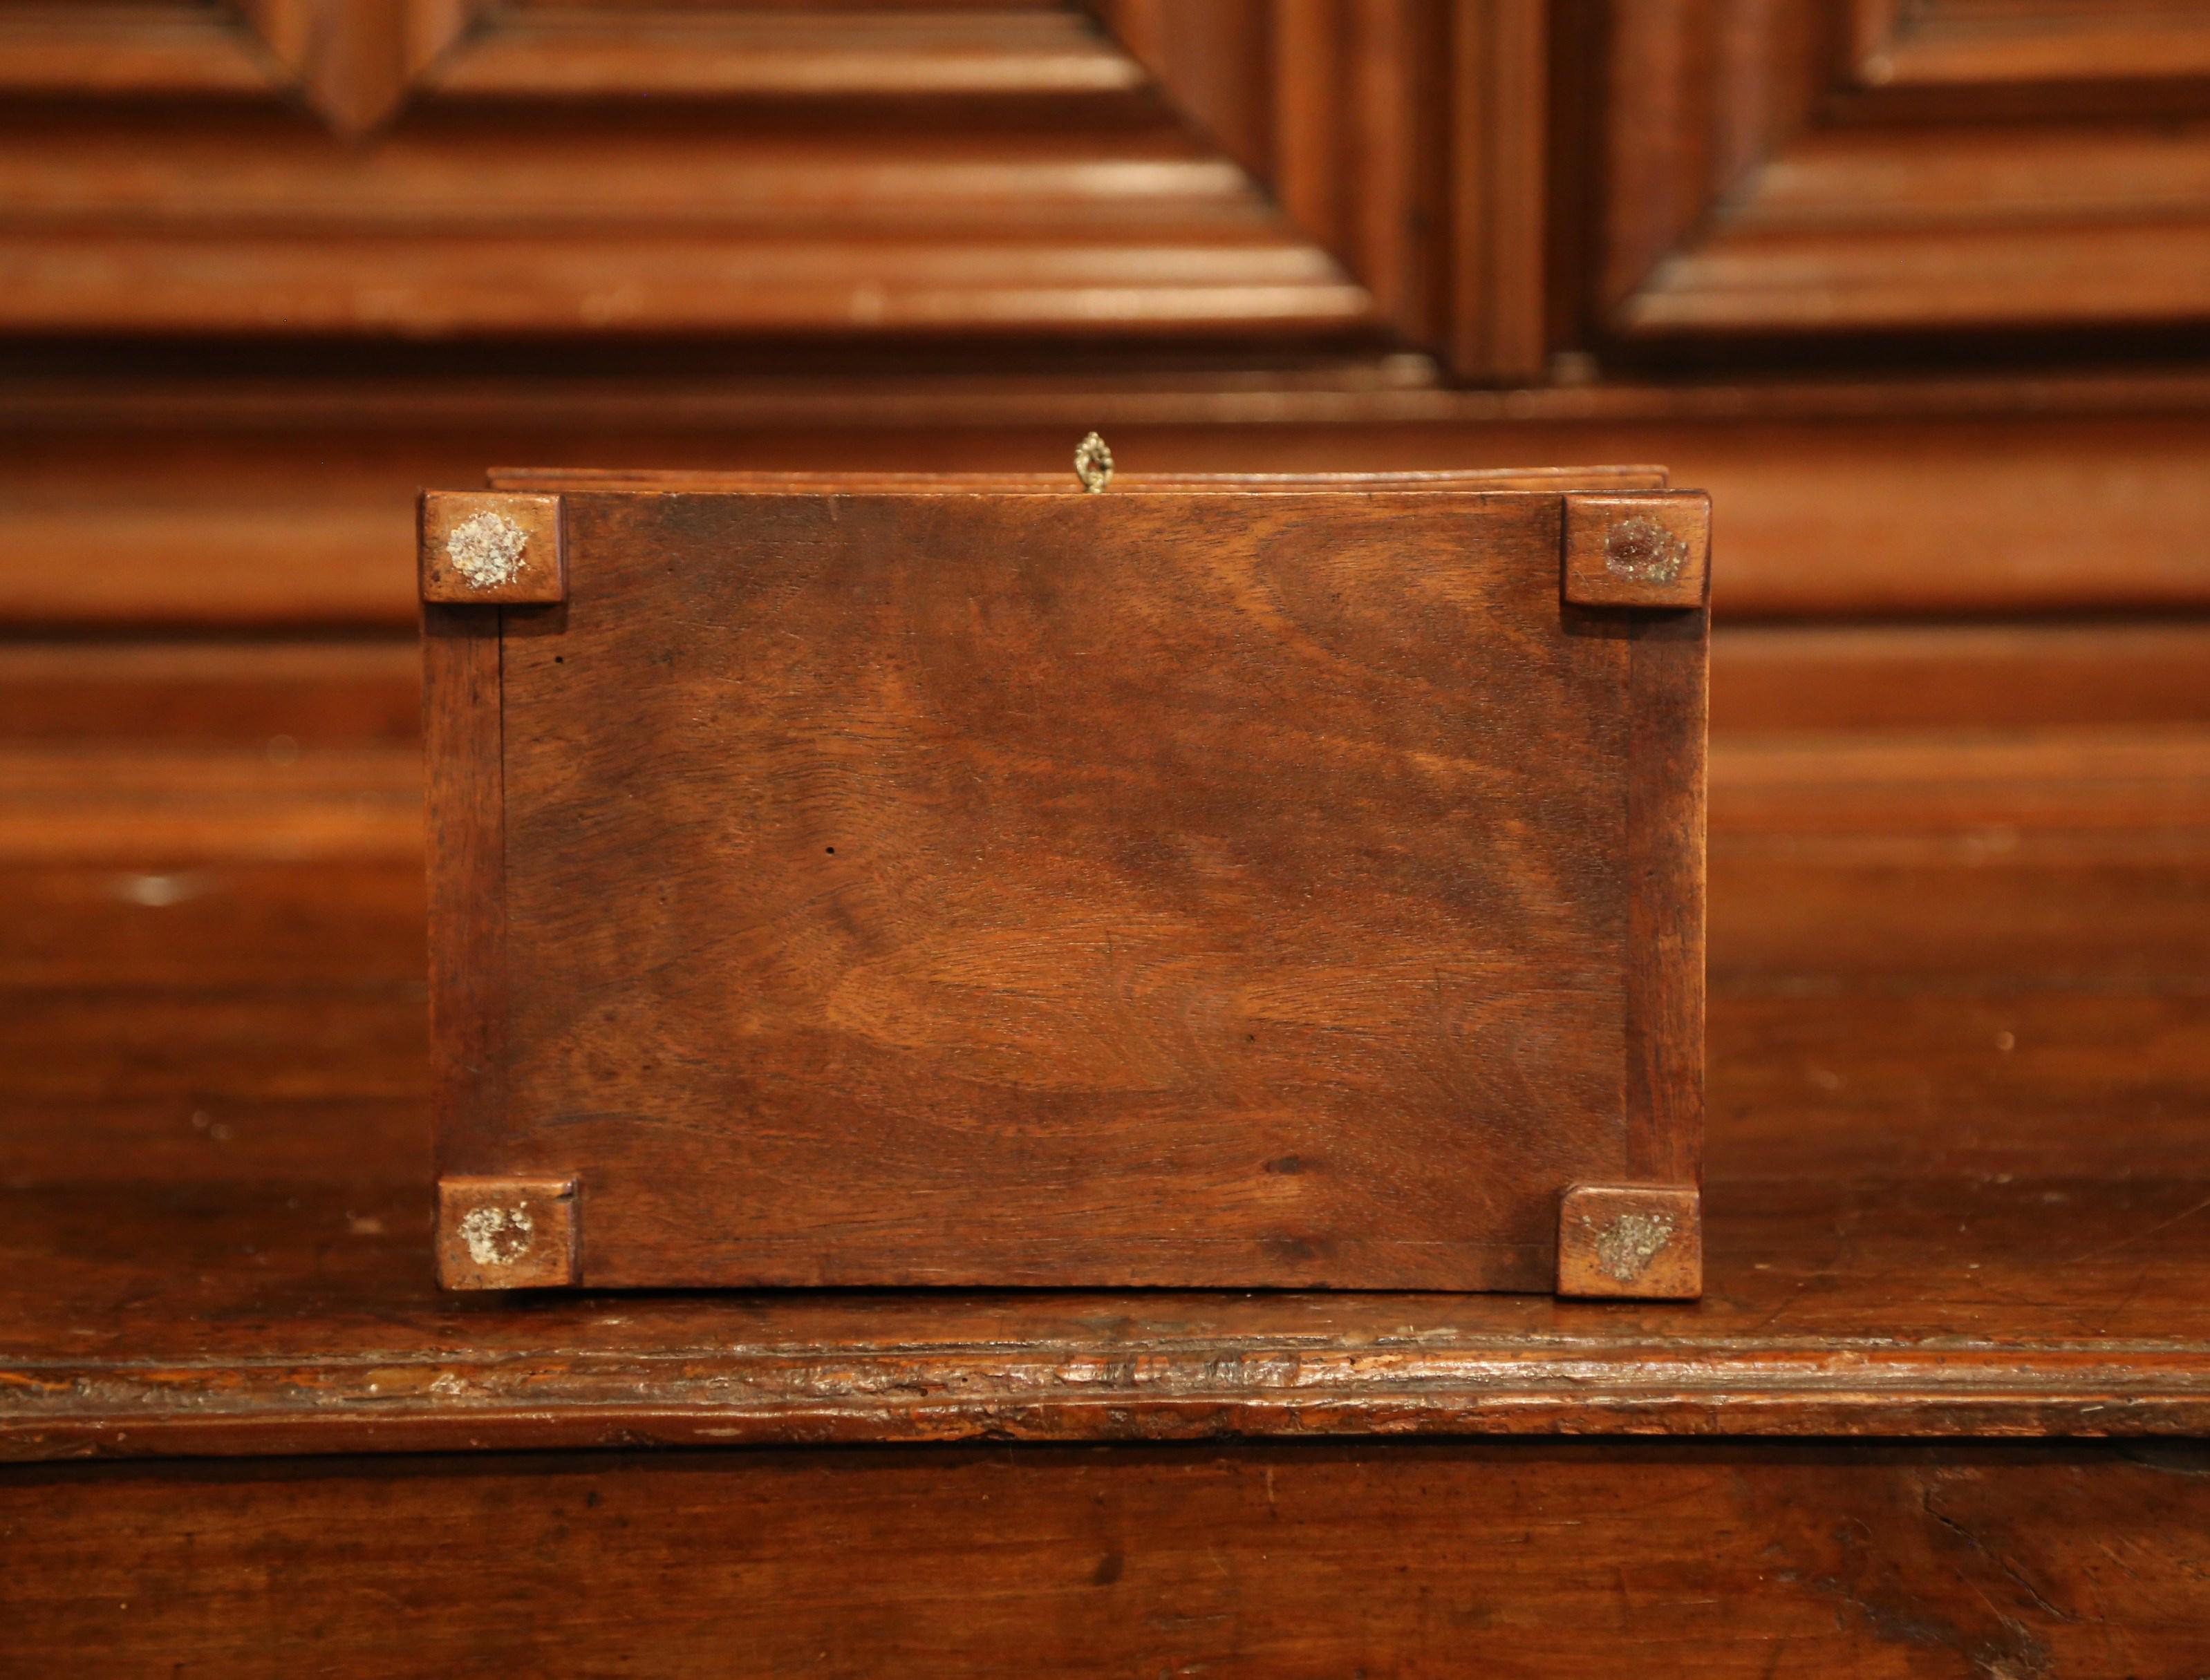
x: 935, y: 881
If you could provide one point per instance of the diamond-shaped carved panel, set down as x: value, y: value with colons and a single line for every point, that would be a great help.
x: 1261, y: 170
x: 1777, y: 166
x: 844, y: 173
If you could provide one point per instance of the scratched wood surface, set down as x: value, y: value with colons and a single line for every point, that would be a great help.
x: 1186, y: 887
x: 1960, y: 1078
x: 1283, y: 1561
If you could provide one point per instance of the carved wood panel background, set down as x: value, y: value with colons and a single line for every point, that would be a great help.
x: 325, y: 247
x: 1263, y: 169
x: 1822, y: 165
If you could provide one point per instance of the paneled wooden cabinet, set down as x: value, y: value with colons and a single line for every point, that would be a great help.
x: 266, y: 269
x: 381, y: 167
x: 1920, y: 290
x: 1818, y: 166
x: 1399, y: 170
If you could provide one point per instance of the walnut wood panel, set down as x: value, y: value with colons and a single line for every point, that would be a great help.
x: 1283, y: 1561
x: 1336, y: 106
x: 2004, y: 43
x: 463, y: 750
x: 279, y: 696
x: 1405, y: 136
x: 1959, y: 677
x: 1079, y: 943
x: 1270, y: 168
x: 284, y: 696
x: 350, y: 61
x: 70, y: 801
x: 888, y: 170
x: 1956, y: 1177
x: 722, y: 51
x: 1763, y: 172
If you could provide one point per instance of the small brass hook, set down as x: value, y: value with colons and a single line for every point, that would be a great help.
x: 1093, y: 463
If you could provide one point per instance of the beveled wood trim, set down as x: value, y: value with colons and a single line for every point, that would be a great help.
x: 553, y: 480
x: 1736, y: 200
x: 1934, y: 44
x: 356, y: 61
x: 1406, y: 137
x: 998, y: 173
x: 98, y: 51
x: 932, y: 280
x: 746, y: 1390
x: 1666, y: 698
x: 1395, y: 390
x: 617, y: 51
x: 465, y: 812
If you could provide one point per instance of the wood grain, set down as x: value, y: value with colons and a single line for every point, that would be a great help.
x: 1955, y: 1182
x: 1742, y: 195
x: 349, y: 691
x: 1961, y: 678
x: 604, y: 172
x: 462, y: 747
x: 725, y: 52
x: 1981, y: 44
x: 1292, y: 1560
x: 979, y: 830
x: 1665, y: 784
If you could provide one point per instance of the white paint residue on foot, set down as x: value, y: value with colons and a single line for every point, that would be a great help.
x: 487, y: 550
x: 1626, y: 1250
x: 497, y: 1235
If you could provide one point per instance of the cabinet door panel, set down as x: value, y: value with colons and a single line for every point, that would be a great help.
x: 1780, y: 167
x: 432, y: 167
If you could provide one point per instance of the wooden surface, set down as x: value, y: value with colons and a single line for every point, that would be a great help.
x: 1293, y: 1559
x: 1953, y: 165
x: 1915, y: 290
x: 613, y: 171
x: 287, y: 503
x: 1955, y: 1179
x: 1190, y: 887
x: 1487, y: 180
x: 1259, y: 171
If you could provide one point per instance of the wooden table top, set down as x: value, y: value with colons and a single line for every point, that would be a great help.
x: 1960, y: 1079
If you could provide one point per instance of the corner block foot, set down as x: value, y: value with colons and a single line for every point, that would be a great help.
x: 1640, y: 1241
x: 507, y: 1233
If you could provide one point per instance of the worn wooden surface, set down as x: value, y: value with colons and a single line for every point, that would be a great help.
x: 1959, y: 1089
x: 1173, y: 889
x: 1542, y: 1559
x: 1956, y: 1182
